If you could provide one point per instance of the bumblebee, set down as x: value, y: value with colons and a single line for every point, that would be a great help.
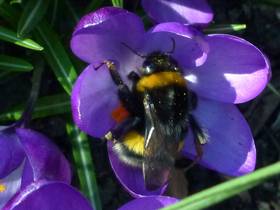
x: 158, y: 116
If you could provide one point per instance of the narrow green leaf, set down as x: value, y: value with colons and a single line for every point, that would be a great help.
x: 93, y: 5
x: 225, y: 28
x: 225, y: 190
x: 273, y: 89
x: 57, y: 56
x: 45, y: 107
x: 10, y: 36
x: 8, y: 63
x: 84, y: 165
x: 33, y: 13
x: 273, y: 2
x: 72, y: 11
x: 8, y: 13
x: 117, y: 3
x: 15, y: 2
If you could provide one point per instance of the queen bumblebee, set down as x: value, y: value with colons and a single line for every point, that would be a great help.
x: 159, y: 115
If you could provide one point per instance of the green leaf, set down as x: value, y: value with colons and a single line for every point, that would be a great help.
x: 8, y: 63
x: 220, y: 192
x: 117, y: 3
x: 84, y: 165
x: 57, y: 57
x: 72, y: 11
x: 93, y: 5
x: 33, y: 13
x: 8, y: 13
x: 45, y: 107
x: 15, y: 2
x: 225, y: 28
x: 273, y: 2
x: 10, y: 36
x: 273, y: 89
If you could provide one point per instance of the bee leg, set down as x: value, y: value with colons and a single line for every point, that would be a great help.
x: 192, y: 100
x: 133, y: 76
x: 122, y: 128
x: 200, y: 138
x: 128, y: 99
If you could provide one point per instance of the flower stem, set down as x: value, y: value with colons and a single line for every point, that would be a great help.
x: 36, y: 83
x: 84, y: 165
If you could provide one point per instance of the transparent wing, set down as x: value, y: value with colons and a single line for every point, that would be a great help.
x: 159, y: 151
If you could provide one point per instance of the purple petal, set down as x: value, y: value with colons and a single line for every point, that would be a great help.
x: 235, y: 70
x: 94, y: 97
x: 149, y: 203
x: 101, y: 36
x: 97, y: 17
x: 184, y: 11
x: 190, y: 47
x: 47, y: 196
x: 45, y: 158
x: 11, y: 152
x: 10, y: 185
x: 230, y: 149
x: 131, y: 178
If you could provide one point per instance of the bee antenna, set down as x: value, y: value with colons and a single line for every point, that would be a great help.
x: 134, y: 51
x: 173, y: 46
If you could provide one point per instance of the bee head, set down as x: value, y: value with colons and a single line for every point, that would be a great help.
x: 158, y: 62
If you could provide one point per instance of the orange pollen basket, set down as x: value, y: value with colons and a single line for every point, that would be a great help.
x: 119, y: 114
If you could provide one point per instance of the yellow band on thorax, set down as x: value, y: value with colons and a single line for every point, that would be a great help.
x: 160, y: 79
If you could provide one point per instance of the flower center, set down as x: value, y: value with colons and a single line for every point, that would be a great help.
x: 2, y: 188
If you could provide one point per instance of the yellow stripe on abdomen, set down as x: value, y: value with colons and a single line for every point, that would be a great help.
x: 134, y: 142
x: 160, y: 79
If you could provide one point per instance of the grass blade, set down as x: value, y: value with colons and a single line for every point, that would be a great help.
x: 45, y: 107
x: 84, y: 165
x: 8, y: 63
x: 57, y: 57
x: 10, y: 36
x: 225, y: 28
x: 8, y: 13
x: 33, y: 12
x: 225, y: 190
x: 117, y: 3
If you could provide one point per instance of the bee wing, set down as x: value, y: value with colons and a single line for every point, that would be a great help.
x: 158, y: 152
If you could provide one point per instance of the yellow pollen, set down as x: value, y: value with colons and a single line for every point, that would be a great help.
x: 2, y: 188
x: 160, y: 79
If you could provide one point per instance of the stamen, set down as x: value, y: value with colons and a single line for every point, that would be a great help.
x: 2, y: 188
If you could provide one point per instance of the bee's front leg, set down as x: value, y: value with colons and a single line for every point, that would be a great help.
x: 128, y: 99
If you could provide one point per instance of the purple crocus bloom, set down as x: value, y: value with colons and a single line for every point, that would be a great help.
x: 222, y: 70
x: 34, y: 174
x: 195, y: 12
x: 149, y: 203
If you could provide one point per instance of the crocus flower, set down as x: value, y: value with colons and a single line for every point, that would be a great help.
x: 222, y: 70
x: 149, y: 203
x: 196, y: 12
x: 34, y: 174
